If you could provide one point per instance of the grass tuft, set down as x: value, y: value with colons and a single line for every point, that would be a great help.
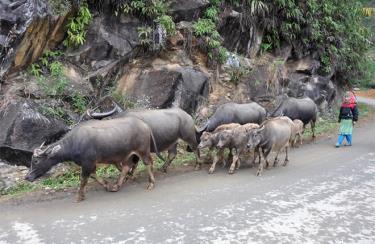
x: 19, y: 189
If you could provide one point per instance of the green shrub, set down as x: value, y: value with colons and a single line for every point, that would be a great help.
x: 167, y: 22
x: 122, y: 100
x: 334, y: 28
x: 237, y: 73
x: 148, y: 10
x: 20, y: 188
x: 212, y: 13
x: 77, y: 27
x: 206, y: 29
x: 79, y: 103
x: 67, y: 179
x: 58, y: 82
x: 367, y: 79
x: 35, y: 70
x: 56, y: 112
x: 145, y: 36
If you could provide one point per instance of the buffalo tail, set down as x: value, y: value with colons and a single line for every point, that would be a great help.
x: 156, y: 148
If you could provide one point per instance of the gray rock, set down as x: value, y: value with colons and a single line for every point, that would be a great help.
x: 306, y: 65
x: 183, y: 87
x: 183, y: 10
x: 10, y: 175
x: 238, y: 38
x: 23, y: 129
x: 27, y: 27
x: 108, y: 38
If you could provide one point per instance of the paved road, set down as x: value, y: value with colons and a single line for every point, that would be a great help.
x: 325, y: 195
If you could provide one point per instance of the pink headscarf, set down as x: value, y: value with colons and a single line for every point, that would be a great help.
x: 349, y: 100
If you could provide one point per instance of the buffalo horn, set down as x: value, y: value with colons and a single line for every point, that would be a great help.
x: 96, y: 115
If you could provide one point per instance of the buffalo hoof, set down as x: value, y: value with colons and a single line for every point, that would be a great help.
x: 150, y: 186
x: 285, y: 162
x: 259, y: 173
x: 197, y: 167
x: 211, y: 170
x: 131, y: 177
x: 79, y: 199
x: 163, y: 169
x: 275, y: 163
x: 231, y: 171
x: 113, y: 188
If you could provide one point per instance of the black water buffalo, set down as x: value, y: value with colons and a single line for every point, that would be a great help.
x: 303, y: 109
x: 235, y: 113
x: 121, y: 142
x: 167, y: 125
x: 273, y: 135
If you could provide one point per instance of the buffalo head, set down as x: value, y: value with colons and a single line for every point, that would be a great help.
x: 206, y: 140
x: 42, y: 161
x: 225, y: 138
x: 255, y: 137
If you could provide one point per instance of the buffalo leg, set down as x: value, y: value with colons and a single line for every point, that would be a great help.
x: 150, y: 168
x: 294, y: 142
x: 229, y: 159
x: 124, y: 171
x: 286, y: 157
x: 190, y: 137
x: 172, y: 152
x: 233, y: 165
x: 261, y: 166
x: 276, y: 161
x: 198, y: 160
x: 238, y: 164
x: 312, y: 124
x: 219, y: 156
x: 256, y: 154
x: 130, y: 174
x: 85, y: 174
x: 99, y: 179
x: 265, y: 155
x: 134, y: 160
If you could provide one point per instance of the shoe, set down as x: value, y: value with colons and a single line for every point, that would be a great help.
x: 337, y: 145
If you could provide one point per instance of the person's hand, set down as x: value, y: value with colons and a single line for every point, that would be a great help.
x: 354, y: 122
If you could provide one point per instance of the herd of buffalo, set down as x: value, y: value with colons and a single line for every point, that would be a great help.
x: 133, y: 135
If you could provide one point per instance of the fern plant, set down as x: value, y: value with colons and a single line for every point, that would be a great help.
x: 35, y: 70
x: 206, y: 29
x: 145, y: 36
x: 77, y: 27
x: 167, y: 23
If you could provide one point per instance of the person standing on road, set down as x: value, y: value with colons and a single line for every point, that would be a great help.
x: 347, y: 118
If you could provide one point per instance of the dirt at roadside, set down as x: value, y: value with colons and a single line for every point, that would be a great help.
x: 366, y: 93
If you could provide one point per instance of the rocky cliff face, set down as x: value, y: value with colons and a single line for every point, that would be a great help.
x: 113, y: 59
x: 27, y: 29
